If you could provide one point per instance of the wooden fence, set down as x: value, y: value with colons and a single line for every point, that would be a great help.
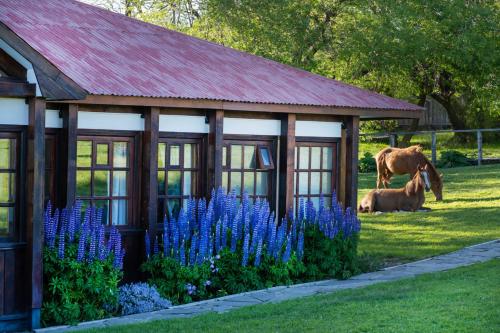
x: 392, y: 136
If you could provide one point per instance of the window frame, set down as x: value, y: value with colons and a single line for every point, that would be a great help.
x: 171, y: 138
x: 310, y: 142
x: 133, y: 193
x: 271, y: 142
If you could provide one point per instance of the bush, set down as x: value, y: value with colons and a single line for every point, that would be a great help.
x: 452, y: 159
x: 81, y: 270
x: 226, y: 247
x: 139, y: 298
x: 367, y: 163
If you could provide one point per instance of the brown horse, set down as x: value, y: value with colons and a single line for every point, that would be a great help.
x: 409, y: 198
x: 400, y: 161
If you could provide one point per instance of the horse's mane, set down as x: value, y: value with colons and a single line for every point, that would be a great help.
x: 417, y: 148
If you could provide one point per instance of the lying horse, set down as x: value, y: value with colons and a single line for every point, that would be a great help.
x: 400, y: 161
x: 409, y: 198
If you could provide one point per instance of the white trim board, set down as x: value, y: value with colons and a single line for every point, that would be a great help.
x: 14, y: 111
x: 183, y: 124
x: 110, y: 121
x: 52, y: 119
x: 322, y: 129
x: 252, y: 126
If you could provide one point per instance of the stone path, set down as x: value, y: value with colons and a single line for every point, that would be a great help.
x: 464, y: 257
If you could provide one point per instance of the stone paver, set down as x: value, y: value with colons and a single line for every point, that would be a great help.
x: 464, y: 257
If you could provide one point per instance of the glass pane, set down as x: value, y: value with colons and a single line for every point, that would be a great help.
x: 236, y: 182
x: 224, y: 180
x: 85, y: 204
x: 248, y: 182
x: 120, y: 154
x: 161, y: 182
x: 84, y: 153
x: 315, y: 157
x: 6, y: 219
x: 249, y: 157
x: 235, y: 157
x: 83, y: 183
x: 326, y: 183
x: 101, y: 183
x: 174, y: 155
x: 224, y: 156
x: 174, y: 183
x: 173, y: 207
x: 303, y: 182
x: 315, y: 201
x: 188, y: 155
x: 161, y: 155
x: 120, y: 183
x: 102, y: 154
x: 7, y: 187
x: 261, y: 189
x: 119, y: 213
x: 104, y: 204
x: 327, y: 158
x: 304, y: 158
x: 187, y: 183
x: 265, y: 156
x: 7, y: 153
x: 315, y: 181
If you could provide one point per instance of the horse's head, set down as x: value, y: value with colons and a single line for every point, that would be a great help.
x: 423, y: 177
x: 437, y: 186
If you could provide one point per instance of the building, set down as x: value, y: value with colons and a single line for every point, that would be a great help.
x: 134, y: 118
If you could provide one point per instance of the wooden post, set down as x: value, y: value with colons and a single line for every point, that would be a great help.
x: 479, y: 148
x: 34, y: 197
x: 433, y: 147
x: 392, y: 140
x: 150, y: 170
x: 352, y: 143
x: 70, y: 129
x: 214, y: 158
x: 342, y: 165
x: 287, y: 163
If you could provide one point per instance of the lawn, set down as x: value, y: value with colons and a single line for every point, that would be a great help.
x: 461, y: 300
x: 469, y: 214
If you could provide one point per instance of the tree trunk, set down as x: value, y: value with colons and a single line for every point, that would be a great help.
x: 405, y: 141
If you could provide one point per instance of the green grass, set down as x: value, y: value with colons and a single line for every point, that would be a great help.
x: 469, y: 214
x: 461, y: 300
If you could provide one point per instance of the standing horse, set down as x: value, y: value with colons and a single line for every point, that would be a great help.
x: 400, y: 161
x: 409, y: 198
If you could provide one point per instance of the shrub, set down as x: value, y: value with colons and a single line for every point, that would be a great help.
x: 452, y: 159
x: 81, y: 269
x: 226, y: 247
x: 139, y: 298
x: 367, y: 163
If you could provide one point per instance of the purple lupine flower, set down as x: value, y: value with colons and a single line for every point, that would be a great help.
x: 246, y: 244
x: 62, y: 236
x: 182, y: 254
x: 280, y: 237
x: 301, y: 210
x: 300, y: 245
x: 234, y: 232
x: 166, y: 245
x: 72, y: 224
x: 81, y: 246
x: 101, y: 248
x: 118, y: 255
x: 272, y: 240
x: 175, y: 240
x: 224, y: 231
x: 203, y: 248
x: 147, y: 244
x: 288, y: 249
x: 155, y: 246
x: 93, y: 246
x: 218, y: 228
x: 258, y: 254
x: 192, y: 250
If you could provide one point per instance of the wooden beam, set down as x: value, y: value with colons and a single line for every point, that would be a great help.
x: 11, y: 67
x: 150, y: 170
x: 70, y: 129
x: 35, y: 201
x: 287, y: 163
x: 15, y: 88
x: 352, y: 143
x: 214, y: 158
x: 342, y: 174
x: 253, y: 107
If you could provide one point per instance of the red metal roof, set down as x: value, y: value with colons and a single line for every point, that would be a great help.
x: 110, y: 54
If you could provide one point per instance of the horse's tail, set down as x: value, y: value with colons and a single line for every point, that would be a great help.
x: 381, y: 167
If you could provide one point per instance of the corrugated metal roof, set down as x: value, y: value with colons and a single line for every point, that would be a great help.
x: 110, y: 54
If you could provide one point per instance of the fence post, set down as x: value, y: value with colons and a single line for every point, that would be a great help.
x: 392, y: 140
x: 479, y: 147
x: 433, y: 147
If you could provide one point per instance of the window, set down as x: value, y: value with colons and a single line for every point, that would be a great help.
x: 103, y: 176
x: 248, y: 166
x: 8, y: 180
x: 178, y: 174
x: 315, y: 171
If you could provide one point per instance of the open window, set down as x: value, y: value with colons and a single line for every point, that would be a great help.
x: 265, y: 159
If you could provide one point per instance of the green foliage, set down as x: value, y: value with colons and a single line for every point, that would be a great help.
x: 378, y: 126
x: 367, y: 163
x: 452, y: 159
x: 77, y: 291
